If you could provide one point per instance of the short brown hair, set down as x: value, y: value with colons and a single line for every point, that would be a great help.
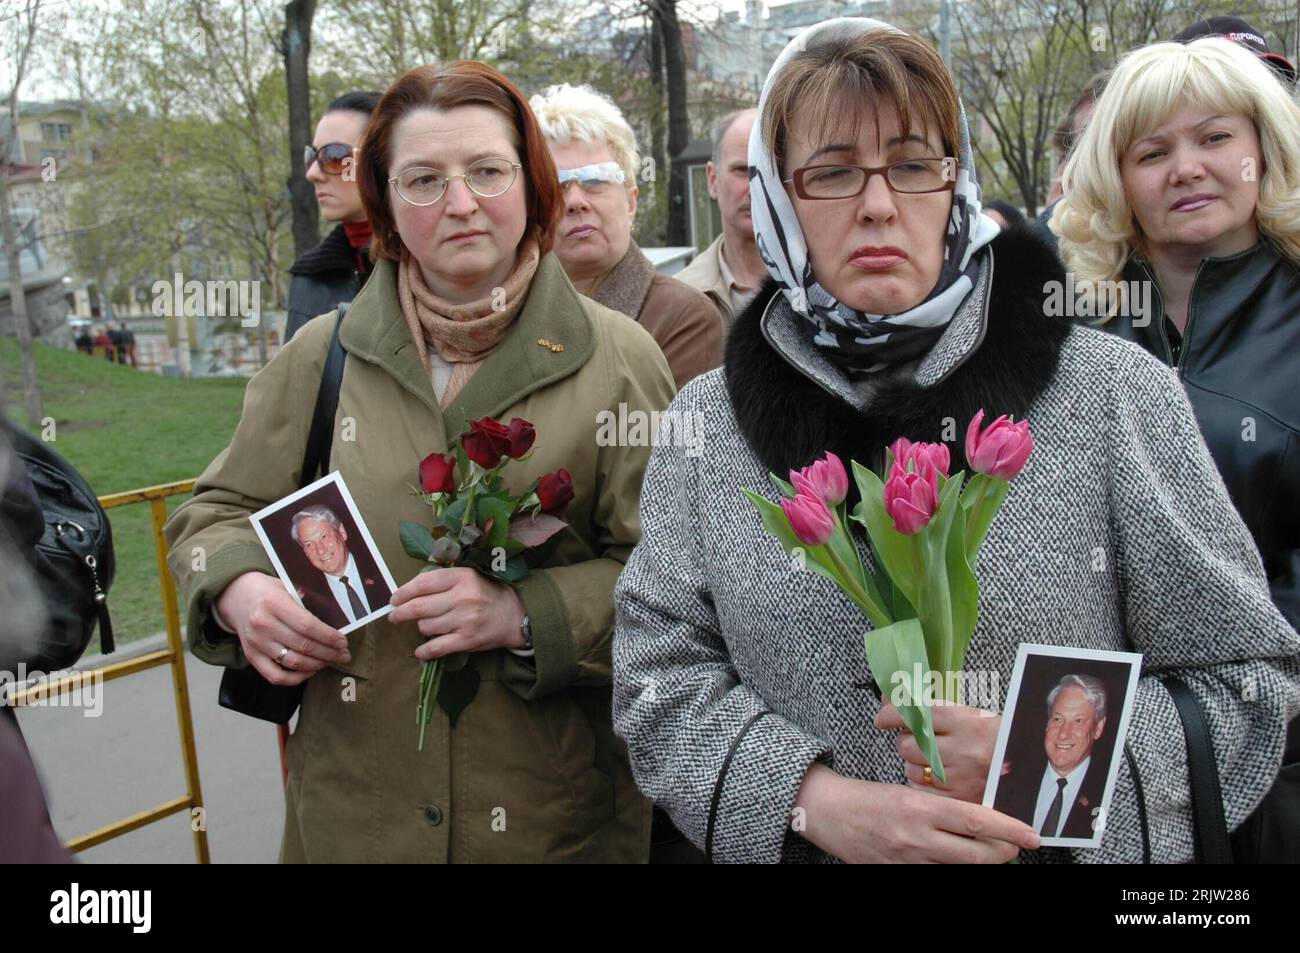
x: 832, y: 81
x: 458, y: 83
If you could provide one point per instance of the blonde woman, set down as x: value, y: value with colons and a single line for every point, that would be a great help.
x: 595, y: 152
x: 1184, y: 191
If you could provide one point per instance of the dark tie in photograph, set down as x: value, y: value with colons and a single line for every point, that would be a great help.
x: 359, y: 610
x: 1053, y: 813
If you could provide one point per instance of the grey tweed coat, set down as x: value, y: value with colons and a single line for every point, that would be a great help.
x: 1118, y: 535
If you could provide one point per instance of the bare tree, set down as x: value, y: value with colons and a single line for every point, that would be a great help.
x: 1017, y: 63
x: 396, y: 35
x: 295, y: 47
x: 664, y: 15
x: 25, y: 28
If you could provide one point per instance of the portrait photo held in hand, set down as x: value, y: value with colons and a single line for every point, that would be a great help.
x: 1058, y: 751
x: 325, y: 555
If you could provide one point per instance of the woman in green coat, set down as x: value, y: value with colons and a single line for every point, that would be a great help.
x: 467, y: 314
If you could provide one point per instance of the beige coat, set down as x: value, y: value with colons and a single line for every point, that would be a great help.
x: 704, y: 275
x: 533, y: 771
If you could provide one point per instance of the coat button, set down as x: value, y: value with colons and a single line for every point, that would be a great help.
x: 433, y: 814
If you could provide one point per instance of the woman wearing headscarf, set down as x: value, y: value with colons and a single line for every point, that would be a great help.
x: 468, y: 315
x: 896, y: 309
x: 595, y: 153
x: 1183, y: 193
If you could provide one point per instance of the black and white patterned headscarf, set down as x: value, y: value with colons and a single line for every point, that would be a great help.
x: 856, y: 339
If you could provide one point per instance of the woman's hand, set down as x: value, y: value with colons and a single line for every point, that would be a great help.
x: 269, y: 622
x: 966, y: 738
x: 461, y: 610
x: 868, y: 822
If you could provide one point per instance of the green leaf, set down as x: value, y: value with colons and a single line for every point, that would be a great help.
x: 457, y: 690
x: 901, y: 607
x: 498, y: 511
x: 934, y: 606
x: 455, y: 661
x: 819, y: 559
x: 964, y: 595
x: 776, y: 523
x: 892, y: 550
x: 453, y: 517
x: 787, y: 489
x: 841, y: 545
x: 516, y: 569
x: 896, y: 650
x: 416, y: 539
x: 983, y: 498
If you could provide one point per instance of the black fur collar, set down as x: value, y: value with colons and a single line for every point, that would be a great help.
x: 789, y: 420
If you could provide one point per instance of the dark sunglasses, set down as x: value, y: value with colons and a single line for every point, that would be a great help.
x: 333, y: 157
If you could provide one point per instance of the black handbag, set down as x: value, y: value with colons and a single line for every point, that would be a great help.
x: 73, y: 562
x: 244, y: 689
x: 1271, y: 834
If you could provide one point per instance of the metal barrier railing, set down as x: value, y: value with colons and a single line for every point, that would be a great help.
x: 173, y: 655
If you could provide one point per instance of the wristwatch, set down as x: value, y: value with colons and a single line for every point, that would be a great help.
x: 526, y: 630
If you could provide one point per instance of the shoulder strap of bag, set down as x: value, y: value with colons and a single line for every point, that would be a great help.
x: 722, y: 777
x: 320, y: 437
x: 1211, y: 828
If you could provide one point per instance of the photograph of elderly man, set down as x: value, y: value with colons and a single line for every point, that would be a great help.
x: 1060, y: 794
x: 347, y: 585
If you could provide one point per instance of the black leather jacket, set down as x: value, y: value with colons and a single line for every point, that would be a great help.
x: 322, y: 277
x: 1240, y: 365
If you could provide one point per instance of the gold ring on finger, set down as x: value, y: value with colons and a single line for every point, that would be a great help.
x: 927, y: 775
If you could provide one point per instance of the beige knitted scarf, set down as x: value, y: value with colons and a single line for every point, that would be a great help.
x: 462, y: 334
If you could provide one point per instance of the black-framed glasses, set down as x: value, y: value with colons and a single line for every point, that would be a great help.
x: 909, y: 176
x: 487, y: 177
x: 333, y: 157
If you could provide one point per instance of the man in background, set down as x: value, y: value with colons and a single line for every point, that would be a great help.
x: 730, y: 270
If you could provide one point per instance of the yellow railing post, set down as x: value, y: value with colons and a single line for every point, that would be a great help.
x: 180, y: 682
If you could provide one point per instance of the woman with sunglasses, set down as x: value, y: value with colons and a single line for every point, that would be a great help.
x: 467, y: 315
x: 334, y: 270
x: 897, y: 309
x: 595, y: 150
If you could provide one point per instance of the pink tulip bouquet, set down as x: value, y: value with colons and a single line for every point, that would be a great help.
x: 925, y: 528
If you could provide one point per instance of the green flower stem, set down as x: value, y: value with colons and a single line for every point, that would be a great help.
x: 430, y: 682
x: 918, y: 569
x: 973, y: 515
x: 878, y: 616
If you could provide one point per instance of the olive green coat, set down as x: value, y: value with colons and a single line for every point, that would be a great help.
x: 533, y: 770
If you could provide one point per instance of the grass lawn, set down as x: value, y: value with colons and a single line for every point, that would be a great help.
x: 125, y: 429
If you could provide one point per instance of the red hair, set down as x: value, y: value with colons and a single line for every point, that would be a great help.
x: 458, y: 83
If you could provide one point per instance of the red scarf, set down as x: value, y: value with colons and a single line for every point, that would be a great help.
x: 359, y: 233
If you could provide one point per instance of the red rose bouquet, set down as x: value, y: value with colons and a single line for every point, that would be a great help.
x: 478, y: 523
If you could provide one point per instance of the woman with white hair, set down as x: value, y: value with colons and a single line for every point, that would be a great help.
x: 595, y: 152
x: 1185, y: 193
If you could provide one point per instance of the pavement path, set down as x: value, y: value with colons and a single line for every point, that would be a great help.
x: 100, y: 769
